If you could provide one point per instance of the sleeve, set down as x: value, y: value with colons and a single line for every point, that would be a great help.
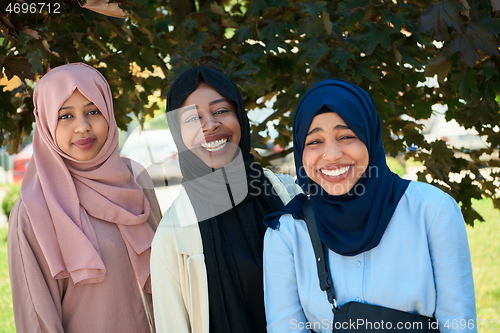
x: 284, y: 311
x: 449, y: 249
x: 36, y: 295
x: 155, y: 214
x: 144, y: 180
x: 170, y: 310
x: 289, y: 182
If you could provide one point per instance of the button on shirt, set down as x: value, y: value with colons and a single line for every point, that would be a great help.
x: 422, y: 265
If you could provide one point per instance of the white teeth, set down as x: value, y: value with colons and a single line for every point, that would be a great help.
x: 215, y: 145
x: 336, y: 172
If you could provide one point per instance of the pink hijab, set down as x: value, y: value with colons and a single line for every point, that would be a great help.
x: 60, y: 192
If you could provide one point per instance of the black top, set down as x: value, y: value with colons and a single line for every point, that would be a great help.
x: 249, y: 274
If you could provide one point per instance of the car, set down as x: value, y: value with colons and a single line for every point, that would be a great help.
x: 20, y: 163
x: 155, y: 150
x: 438, y: 128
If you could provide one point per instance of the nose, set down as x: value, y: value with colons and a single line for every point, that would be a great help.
x: 332, y: 151
x: 210, y: 123
x: 82, y: 125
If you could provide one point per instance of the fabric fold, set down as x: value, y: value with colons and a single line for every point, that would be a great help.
x: 60, y: 192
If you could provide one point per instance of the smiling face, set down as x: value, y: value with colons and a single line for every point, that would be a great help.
x: 209, y: 126
x: 81, y: 128
x: 333, y: 157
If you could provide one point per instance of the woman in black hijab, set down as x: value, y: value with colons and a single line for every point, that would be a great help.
x: 207, y: 253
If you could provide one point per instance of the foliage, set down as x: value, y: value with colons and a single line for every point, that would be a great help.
x: 395, y: 166
x: 10, y: 199
x: 275, y: 50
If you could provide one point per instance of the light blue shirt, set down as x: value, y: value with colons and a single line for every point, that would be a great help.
x: 422, y: 265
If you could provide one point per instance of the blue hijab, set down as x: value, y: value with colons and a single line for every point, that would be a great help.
x: 354, y: 222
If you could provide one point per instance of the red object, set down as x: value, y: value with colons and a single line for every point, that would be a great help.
x: 20, y: 162
x: 278, y: 149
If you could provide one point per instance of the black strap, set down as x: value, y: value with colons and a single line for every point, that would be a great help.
x: 321, y: 253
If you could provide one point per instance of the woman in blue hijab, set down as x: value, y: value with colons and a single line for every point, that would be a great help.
x: 391, y: 242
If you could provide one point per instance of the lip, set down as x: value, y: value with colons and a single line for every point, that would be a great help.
x: 213, y: 137
x: 335, y: 169
x: 84, y: 144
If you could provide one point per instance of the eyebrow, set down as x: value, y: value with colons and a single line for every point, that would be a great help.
x: 190, y: 107
x: 218, y: 101
x: 72, y: 107
x: 194, y: 106
x: 338, y: 127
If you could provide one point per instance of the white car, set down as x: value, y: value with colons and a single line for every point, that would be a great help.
x: 156, y: 151
x: 437, y: 128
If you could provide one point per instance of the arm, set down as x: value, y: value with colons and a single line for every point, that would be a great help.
x: 455, y: 303
x: 180, y: 297
x: 144, y: 180
x: 35, y: 293
x: 284, y: 311
x: 169, y: 309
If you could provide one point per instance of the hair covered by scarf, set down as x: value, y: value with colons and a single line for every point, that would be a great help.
x: 354, y: 222
x: 59, y: 192
x: 249, y: 204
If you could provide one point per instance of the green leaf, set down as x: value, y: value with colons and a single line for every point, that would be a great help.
x: 482, y: 38
x: 439, y: 66
x: 376, y: 35
x: 256, y: 7
x: 463, y: 44
x: 273, y: 29
x: 342, y: 56
x: 392, y: 82
x: 34, y: 58
x: 314, y: 8
x: 464, y: 82
x: 353, y: 5
x: 312, y: 27
x: 216, y: 9
x: 398, y: 19
x: 277, y: 3
x: 243, y: 33
x: 16, y: 65
x: 490, y: 24
x: 471, y: 215
x: 364, y: 68
x: 439, y: 16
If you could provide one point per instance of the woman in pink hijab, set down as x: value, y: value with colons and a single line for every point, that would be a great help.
x: 80, y: 234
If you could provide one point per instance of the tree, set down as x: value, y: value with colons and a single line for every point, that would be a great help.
x: 275, y: 50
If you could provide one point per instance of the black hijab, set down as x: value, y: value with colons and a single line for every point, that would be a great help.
x: 236, y: 193
x: 354, y: 222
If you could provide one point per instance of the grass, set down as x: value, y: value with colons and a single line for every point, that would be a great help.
x: 485, y: 253
x: 6, y: 312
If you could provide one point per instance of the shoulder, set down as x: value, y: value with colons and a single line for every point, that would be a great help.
x: 284, y: 185
x: 19, y: 215
x: 426, y: 202
x: 419, y: 193
x: 292, y: 236
x: 289, y: 228
x: 180, y: 213
x: 179, y: 228
x: 140, y: 173
x: 20, y: 226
